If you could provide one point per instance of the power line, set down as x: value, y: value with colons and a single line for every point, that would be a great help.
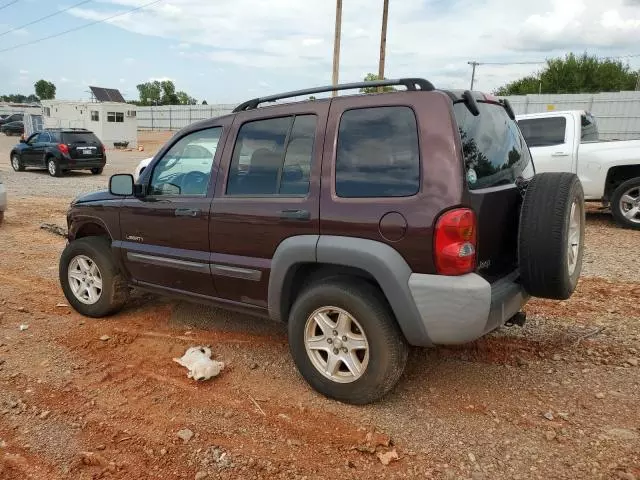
x: 38, y: 40
x: 45, y: 17
x: 8, y: 4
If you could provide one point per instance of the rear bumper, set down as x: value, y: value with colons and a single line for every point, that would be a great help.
x: 461, y: 309
x: 82, y: 164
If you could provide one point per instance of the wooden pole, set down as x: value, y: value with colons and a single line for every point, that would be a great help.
x: 336, y: 45
x: 383, y: 41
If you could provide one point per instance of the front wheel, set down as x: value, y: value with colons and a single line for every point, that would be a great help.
x: 625, y: 204
x: 97, y: 171
x: 16, y: 163
x: 53, y: 168
x: 345, y: 341
x: 90, y: 278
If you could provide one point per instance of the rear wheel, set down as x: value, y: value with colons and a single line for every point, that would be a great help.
x: 345, y: 341
x: 90, y: 278
x: 551, y: 235
x: 16, y: 163
x: 97, y: 171
x: 53, y: 167
x: 625, y: 204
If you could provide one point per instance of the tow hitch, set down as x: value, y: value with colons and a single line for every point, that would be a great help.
x: 518, y: 319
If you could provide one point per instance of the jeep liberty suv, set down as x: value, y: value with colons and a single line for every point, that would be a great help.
x: 367, y: 223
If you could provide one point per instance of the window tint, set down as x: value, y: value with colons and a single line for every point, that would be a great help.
x: 95, y: 116
x: 80, y: 137
x: 494, y: 151
x: 589, y: 130
x: 263, y: 165
x: 186, y: 168
x: 43, y: 137
x: 543, y: 132
x: 377, y: 154
x: 55, y: 137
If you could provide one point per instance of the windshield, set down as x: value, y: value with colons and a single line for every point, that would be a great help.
x: 495, y: 153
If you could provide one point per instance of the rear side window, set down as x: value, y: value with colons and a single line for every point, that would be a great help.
x: 80, y: 137
x: 494, y: 151
x: 589, y: 129
x: 377, y: 153
x: 273, y: 157
x: 543, y: 132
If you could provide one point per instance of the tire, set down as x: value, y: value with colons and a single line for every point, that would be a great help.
x: 114, y: 291
x: 53, y: 167
x: 630, y: 190
x: 16, y: 163
x: 386, y: 346
x: 549, y: 267
x: 97, y: 171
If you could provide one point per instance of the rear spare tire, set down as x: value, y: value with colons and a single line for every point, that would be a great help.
x: 551, y: 235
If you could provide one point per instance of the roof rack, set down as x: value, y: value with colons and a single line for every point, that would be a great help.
x: 409, y: 83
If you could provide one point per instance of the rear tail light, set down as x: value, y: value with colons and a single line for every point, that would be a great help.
x: 64, y: 148
x: 455, y: 242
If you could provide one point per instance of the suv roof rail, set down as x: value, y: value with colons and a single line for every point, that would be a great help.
x: 409, y: 83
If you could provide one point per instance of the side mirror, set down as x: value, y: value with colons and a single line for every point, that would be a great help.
x: 121, y: 185
x: 22, y: 140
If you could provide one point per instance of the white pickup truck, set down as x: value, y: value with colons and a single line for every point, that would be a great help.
x: 609, y: 170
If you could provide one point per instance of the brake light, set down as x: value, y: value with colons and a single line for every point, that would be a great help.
x: 455, y: 242
x: 64, y: 148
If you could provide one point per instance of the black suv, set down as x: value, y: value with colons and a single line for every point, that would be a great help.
x: 60, y: 150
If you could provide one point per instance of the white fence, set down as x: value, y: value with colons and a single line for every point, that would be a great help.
x: 174, y: 117
x: 617, y: 114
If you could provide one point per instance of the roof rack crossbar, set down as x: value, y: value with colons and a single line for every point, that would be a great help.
x: 409, y: 83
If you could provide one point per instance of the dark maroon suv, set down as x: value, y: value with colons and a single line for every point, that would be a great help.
x: 367, y: 223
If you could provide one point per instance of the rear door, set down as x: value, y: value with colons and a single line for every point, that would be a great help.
x: 551, y: 142
x: 268, y: 193
x: 495, y: 155
x: 83, y: 145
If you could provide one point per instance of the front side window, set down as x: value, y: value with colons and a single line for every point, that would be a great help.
x: 44, y: 137
x: 95, y: 116
x: 495, y: 153
x: 377, y: 153
x: 186, y: 168
x: 273, y: 157
x: 543, y: 132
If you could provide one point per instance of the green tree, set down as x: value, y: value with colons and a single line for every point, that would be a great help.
x: 19, y: 98
x: 184, y: 99
x: 575, y: 74
x: 372, y: 77
x: 45, y: 90
x: 204, y: 102
x: 150, y: 93
x: 169, y: 96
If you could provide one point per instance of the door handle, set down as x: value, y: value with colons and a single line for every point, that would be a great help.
x: 187, y: 212
x: 559, y: 154
x: 295, y: 215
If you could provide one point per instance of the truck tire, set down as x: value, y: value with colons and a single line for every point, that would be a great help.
x: 90, y: 278
x: 625, y: 204
x: 345, y: 341
x: 551, y: 235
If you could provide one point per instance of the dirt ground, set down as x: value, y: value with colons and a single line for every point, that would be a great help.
x: 86, y: 399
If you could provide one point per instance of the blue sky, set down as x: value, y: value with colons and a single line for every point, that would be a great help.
x: 225, y: 51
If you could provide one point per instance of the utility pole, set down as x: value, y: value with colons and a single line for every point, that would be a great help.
x: 336, y: 45
x: 473, y: 72
x: 383, y: 42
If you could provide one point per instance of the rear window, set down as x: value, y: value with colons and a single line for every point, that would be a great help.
x: 80, y: 137
x: 543, y: 132
x: 494, y: 150
x: 377, y: 154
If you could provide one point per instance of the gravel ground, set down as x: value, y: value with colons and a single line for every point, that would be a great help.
x: 87, y: 399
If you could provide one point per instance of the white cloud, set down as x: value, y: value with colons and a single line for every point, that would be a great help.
x: 434, y: 39
x: 64, y: 80
x: 161, y: 79
x: 129, y: 61
x: 24, y: 72
x: 122, y: 80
